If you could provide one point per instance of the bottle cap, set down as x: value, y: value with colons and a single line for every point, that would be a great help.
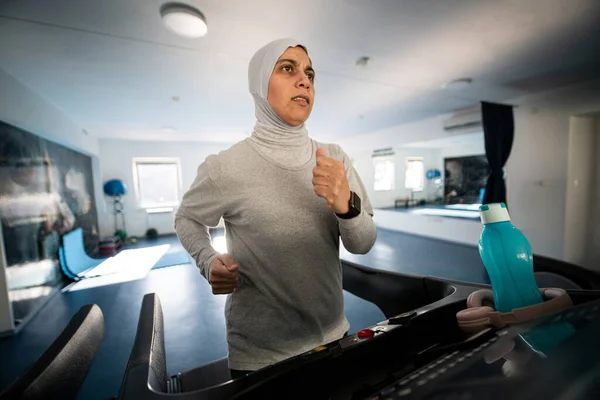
x: 494, y: 212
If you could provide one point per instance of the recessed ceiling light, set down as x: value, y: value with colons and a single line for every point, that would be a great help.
x: 184, y: 20
x: 458, y: 84
x: 363, y: 61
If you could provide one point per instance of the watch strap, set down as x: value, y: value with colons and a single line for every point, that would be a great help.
x: 354, y: 207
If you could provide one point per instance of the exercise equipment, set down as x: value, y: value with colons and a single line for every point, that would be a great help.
x: 550, y: 272
x: 412, y: 355
x: 63, y: 264
x: 61, y: 370
x: 121, y: 234
x: 151, y: 234
x: 73, y: 257
x: 435, y: 175
x: 110, y: 246
x: 481, y: 314
x: 116, y: 189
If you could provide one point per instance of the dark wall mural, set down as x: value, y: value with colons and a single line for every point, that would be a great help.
x: 46, y: 190
x: 464, y: 178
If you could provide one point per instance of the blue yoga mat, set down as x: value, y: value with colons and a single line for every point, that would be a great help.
x: 173, y: 258
x: 74, y: 258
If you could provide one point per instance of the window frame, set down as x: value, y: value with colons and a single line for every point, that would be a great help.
x: 390, y: 158
x: 413, y: 159
x: 136, y: 181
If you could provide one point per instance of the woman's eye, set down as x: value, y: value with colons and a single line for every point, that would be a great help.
x: 311, y: 76
x: 287, y: 68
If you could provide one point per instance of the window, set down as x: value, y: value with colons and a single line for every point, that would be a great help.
x: 157, y: 182
x: 384, y: 173
x: 415, y: 174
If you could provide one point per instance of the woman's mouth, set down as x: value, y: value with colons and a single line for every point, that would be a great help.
x: 301, y: 99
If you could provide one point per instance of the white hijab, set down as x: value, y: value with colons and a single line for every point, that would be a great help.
x: 275, y: 139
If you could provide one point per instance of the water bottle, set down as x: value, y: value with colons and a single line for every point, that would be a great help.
x: 508, y: 259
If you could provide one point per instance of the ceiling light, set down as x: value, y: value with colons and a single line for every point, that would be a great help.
x: 184, y: 20
x: 458, y: 84
x: 363, y: 61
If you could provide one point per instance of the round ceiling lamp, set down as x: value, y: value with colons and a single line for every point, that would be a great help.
x: 363, y: 61
x: 184, y: 20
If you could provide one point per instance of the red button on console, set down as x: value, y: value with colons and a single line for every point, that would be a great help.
x: 365, y: 333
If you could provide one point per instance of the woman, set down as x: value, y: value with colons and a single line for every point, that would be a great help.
x: 286, y: 200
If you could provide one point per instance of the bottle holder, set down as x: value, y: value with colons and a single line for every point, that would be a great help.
x: 478, y: 316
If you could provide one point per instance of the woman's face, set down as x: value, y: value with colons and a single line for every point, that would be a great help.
x: 291, y: 91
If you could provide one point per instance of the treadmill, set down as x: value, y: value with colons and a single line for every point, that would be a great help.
x: 418, y: 352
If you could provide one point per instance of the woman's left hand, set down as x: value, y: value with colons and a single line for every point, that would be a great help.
x: 330, y: 183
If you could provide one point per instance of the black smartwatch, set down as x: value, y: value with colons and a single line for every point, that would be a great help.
x: 354, y: 204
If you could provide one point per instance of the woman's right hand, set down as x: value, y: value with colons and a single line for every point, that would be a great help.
x: 223, y: 276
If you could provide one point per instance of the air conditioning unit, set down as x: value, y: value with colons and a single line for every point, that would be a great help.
x: 466, y: 121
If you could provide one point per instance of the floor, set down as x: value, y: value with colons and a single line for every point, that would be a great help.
x: 397, y: 252
x: 194, y: 321
x: 460, y: 211
x: 175, y: 248
x: 417, y: 255
x: 193, y: 317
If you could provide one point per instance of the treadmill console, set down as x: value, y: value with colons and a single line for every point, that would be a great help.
x: 557, y: 357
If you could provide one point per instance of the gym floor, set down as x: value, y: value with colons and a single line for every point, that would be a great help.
x: 193, y: 317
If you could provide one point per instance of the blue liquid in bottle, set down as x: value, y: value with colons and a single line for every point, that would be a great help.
x: 543, y: 339
x: 508, y: 259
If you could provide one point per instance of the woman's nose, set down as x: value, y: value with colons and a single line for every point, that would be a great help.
x: 304, y: 81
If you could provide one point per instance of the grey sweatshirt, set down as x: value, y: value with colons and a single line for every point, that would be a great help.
x: 285, y: 239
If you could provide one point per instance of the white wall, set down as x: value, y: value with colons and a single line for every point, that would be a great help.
x: 419, y: 131
x: 536, y: 169
x: 364, y: 165
x: 580, y: 176
x: 537, y: 176
x: 6, y: 315
x: 23, y: 108
x: 593, y: 246
x: 116, y: 163
x: 456, y: 230
x: 472, y: 149
x: 422, y: 131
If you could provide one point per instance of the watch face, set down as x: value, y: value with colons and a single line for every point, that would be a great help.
x: 355, y: 202
x: 354, y: 205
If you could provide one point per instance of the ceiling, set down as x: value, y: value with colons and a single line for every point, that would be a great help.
x: 114, y: 69
x: 466, y: 141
